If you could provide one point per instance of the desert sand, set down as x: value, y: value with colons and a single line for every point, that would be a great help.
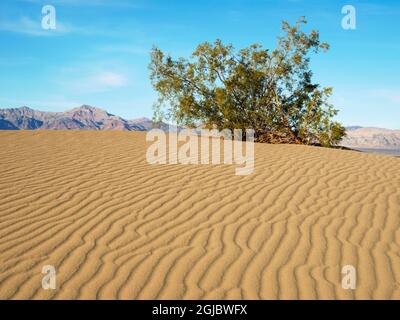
x: 115, y: 227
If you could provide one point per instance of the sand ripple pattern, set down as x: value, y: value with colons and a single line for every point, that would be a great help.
x: 117, y: 228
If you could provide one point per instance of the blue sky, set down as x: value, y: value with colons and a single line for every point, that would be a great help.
x: 99, y: 53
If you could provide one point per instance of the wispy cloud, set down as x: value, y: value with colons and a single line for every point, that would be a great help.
x: 33, y: 27
x: 93, y: 81
x: 94, y: 3
x: 107, y: 80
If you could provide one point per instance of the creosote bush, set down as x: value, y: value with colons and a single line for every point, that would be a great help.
x: 269, y: 91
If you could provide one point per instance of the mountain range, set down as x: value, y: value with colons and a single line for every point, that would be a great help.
x: 82, y: 118
x: 372, y: 138
x: 91, y: 118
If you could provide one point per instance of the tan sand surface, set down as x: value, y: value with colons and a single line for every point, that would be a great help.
x: 116, y: 227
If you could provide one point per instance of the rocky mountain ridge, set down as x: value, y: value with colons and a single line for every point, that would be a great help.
x: 81, y: 118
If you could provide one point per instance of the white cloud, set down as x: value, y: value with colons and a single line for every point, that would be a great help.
x: 95, y: 81
x: 92, y: 76
x: 108, y: 79
x: 94, y: 3
x: 32, y: 27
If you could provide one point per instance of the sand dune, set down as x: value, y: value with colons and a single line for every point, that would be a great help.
x: 115, y: 227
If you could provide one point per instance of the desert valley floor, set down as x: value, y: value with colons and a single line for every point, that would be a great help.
x: 115, y: 227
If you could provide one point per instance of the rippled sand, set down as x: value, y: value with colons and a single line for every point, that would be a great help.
x: 115, y: 227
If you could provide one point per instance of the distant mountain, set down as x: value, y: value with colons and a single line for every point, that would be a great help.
x: 143, y: 122
x: 82, y: 118
x: 371, y: 138
x: 92, y: 118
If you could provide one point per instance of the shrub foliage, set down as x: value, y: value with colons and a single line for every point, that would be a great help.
x: 269, y: 91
